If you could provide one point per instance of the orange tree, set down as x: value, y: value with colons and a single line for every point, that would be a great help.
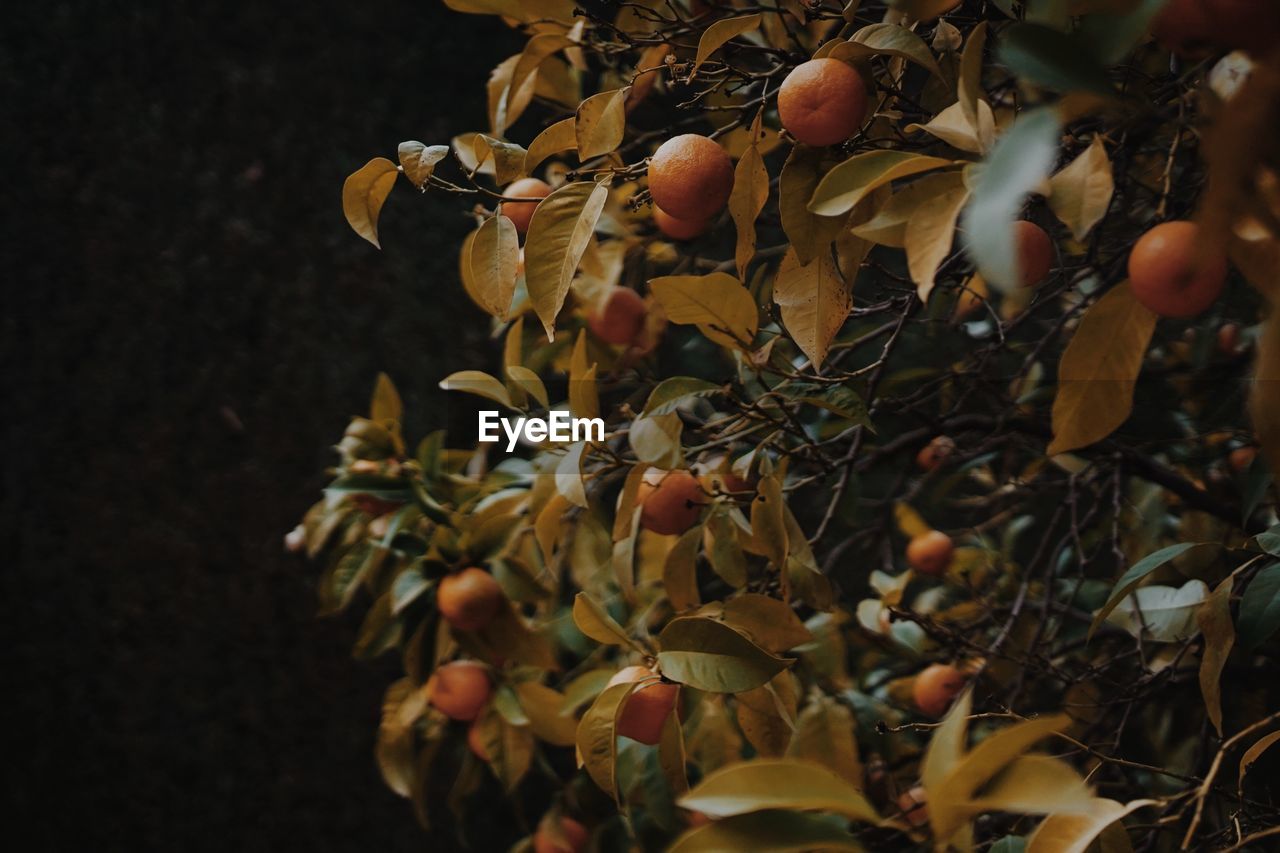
x: 933, y: 505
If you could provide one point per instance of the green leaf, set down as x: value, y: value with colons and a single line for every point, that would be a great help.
x: 785, y: 783
x: 1052, y: 59
x: 709, y: 655
x: 671, y: 393
x: 856, y: 178
x: 1260, y: 608
x: 561, y: 227
x: 769, y: 832
x: 1134, y: 575
x: 363, y: 194
x: 1018, y: 163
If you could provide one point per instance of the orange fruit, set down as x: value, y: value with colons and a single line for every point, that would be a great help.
x: 1168, y: 274
x: 620, y: 320
x: 459, y: 690
x: 935, y: 453
x: 1229, y: 339
x: 822, y: 102
x: 647, y: 708
x: 936, y: 687
x: 679, y: 229
x: 690, y: 177
x: 571, y: 838
x: 671, y: 501
x: 913, y: 808
x: 930, y: 553
x: 1035, y: 252
x: 469, y: 599
x: 1241, y: 458
x: 520, y: 212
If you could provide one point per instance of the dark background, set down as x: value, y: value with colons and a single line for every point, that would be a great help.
x: 188, y: 324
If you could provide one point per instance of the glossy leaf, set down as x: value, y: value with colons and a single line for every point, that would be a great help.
x: 708, y: 655
x: 562, y: 225
x: 855, y: 178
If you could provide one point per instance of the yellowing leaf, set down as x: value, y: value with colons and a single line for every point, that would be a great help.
x: 894, y: 40
x: 561, y: 136
x: 718, y: 303
x: 600, y: 123
x: 671, y: 757
x: 1073, y: 833
x: 1214, y: 619
x: 505, y: 107
x: 507, y: 157
x: 679, y: 571
x: 569, y: 480
x: 535, y: 51
x: 1253, y: 753
x: 584, y: 398
x: 530, y: 382
x: 419, y: 161
x: 769, y: 832
x: 1080, y: 194
x: 1035, y: 784
x: 785, y: 783
x: 479, y: 383
x: 495, y: 254
x: 909, y: 522
x: 547, y: 527
x: 1099, y: 370
x: 709, y: 655
x: 929, y: 235
x: 969, y: 89
x: 656, y: 440
x: 946, y: 747
x: 952, y: 126
x: 748, y: 198
x: 561, y: 227
x: 385, y: 405
x: 769, y: 520
x: 597, y: 736
x: 363, y: 194
x: 596, y: 623
x: 855, y: 178
x: 509, y: 748
x: 889, y: 225
x: 772, y: 623
x: 810, y: 234
x: 543, y: 706
x: 825, y: 734
x: 721, y: 32
x: 814, y: 301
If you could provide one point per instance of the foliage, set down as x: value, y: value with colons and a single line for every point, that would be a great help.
x: 1113, y: 586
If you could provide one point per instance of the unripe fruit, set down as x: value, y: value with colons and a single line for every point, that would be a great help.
x: 913, y: 808
x: 646, y: 710
x: 936, y: 687
x: 935, y: 453
x: 822, y: 102
x: 679, y: 229
x: 1241, y: 458
x: 1168, y: 274
x: 1035, y: 252
x: 469, y: 599
x: 670, y: 501
x: 521, y: 212
x: 930, y: 553
x: 690, y: 177
x: 459, y: 690
x: 573, y: 837
x: 620, y: 320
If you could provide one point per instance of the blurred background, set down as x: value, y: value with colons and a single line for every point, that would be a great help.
x: 188, y: 325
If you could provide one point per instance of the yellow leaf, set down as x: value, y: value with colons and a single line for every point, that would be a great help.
x: 535, y: 51
x: 825, y: 734
x: 679, y: 571
x: 1214, y: 619
x: 363, y: 194
x: 946, y: 747
x: 1080, y: 194
x: 547, y: 527
x: 929, y: 235
x: 597, y: 736
x: 1073, y: 833
x: 1035, y: 784
x: 543, y: 706
x: 783, y: 783
x: 750, y: 193
x: 600, y: 123
x: 584, y: 400
x: 479, y: 383
x: 671, y: 755
x: 561, y: 136
x: 721, y: 32
x: 969, y: 89
x: 769, y: 521
x: 814, y: 300
x: 1099, y: 370
x: 419, y: 161
x: 569, y: 475
x: 1253, y: 753
x: 889, y: 225
x: 897, y: 41
x: 718, y: 303
x: 596, y: 623
x: 656, y: 440
x: 809, y: 233
x: 505, y: 109
x: 508, y: 158
x: 855, y: 178
x: 561, y: 227
x: 495, y: 254
x: 529, y: 382
x: 910, y: 524
x: 385, y: 405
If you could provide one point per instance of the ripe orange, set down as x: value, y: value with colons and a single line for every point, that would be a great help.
x: 1168, y: 274
x: 1241, y: 458
x: 936, y: 687
x: 671, y: 501
x: 679, y: 229
x: 572, y: 837
x: 647, y: 708
x: 620, y: 320
x: 520, y: 212
x: 1035, y: 252
x: 822, y: 102
x: 690, y: 177
x: 459, y: 690
x: 913, y: 808
x: 469, y: 599
x: 930, y: 553
x: 935, y: 453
